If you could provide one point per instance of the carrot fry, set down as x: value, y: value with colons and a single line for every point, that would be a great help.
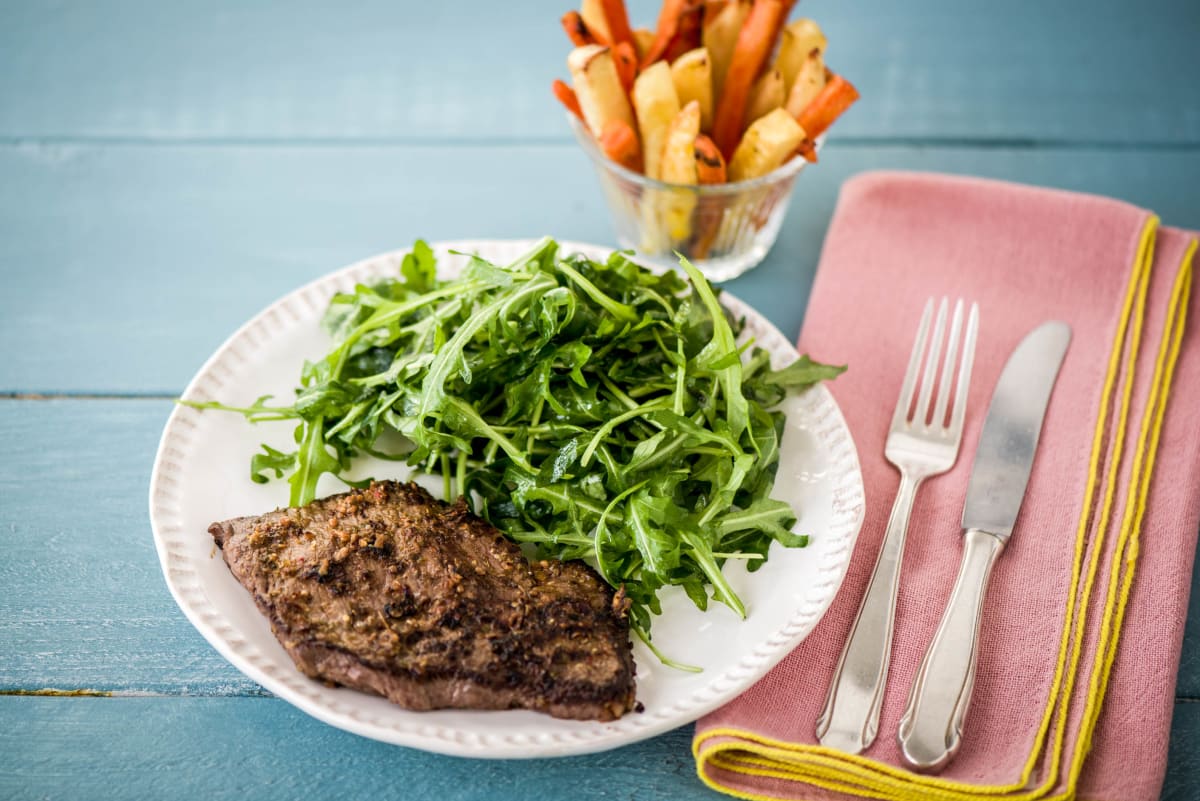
x: 710, y: 169
x: 566, y: 96
x: 754, y: 44
x: 687, y: 34
x: 620, y: 143
x: 783, y: 17
x: 707, y: 224
x: 710, y: 166
x: 625, y: 58
x: 592, y: 12
x: 837, y: 96
x: 808, y: 149
x: 577, y: 30
x: 618, y: 21
x: 668, y: 26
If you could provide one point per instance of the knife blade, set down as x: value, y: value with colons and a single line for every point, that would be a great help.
x: 1011, y: 430
x: 931, y: 727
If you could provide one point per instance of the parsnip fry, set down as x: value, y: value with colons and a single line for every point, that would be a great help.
x: 809, y: 82
x: 753, y: 46
x: 692, y: 74
x: 769, y: 142
x: 679, y: 167
x: 722, y: 21
x: 596, y: 20
x: 765, y: 96
x: 642, y: 39
x: 787, y: 10
x: 656, y: 103
x: 796, y: 43
x: 598, y: 87
x: 837, y: 96
x: 714, y: 7
x: 678, y: 161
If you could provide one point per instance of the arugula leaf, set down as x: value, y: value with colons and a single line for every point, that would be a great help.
x: 803, y: 373
x: 270, y: 460
x: 313, y: 460
x: 767, y: 515
x: 721, y: 346
x: 419, y: 268
x: 659, y: 549
x: 595, y: 410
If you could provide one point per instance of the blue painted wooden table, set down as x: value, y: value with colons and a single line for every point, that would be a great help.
x: 168, y: 169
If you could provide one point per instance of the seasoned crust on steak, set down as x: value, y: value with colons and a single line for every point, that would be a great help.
x: 390, y: 591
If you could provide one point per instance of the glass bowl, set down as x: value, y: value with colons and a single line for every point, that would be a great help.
x: 723, y: 229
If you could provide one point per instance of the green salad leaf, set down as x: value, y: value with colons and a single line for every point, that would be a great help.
x: 592, y: 409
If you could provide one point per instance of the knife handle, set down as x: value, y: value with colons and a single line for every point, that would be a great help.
x: 931, y: 727
x: 850, y: 719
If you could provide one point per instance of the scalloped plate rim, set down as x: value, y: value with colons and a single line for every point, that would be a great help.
x: 335, y: 707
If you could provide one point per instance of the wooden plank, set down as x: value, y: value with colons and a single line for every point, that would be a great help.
x: 167, y: 748
x: 1183, y: 760
x: 1187, y: 684
x: 1099, y: 71
x: 158, y: 253
x: 85, y: 604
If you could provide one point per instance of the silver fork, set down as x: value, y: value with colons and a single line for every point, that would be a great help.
x: 920, y: 444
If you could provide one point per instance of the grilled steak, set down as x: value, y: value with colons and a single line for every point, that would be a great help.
x: 390, y: 591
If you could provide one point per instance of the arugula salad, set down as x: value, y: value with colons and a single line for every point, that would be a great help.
x: 592, y: 410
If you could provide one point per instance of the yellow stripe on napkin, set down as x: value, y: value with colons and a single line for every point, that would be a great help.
x: 752, y: 754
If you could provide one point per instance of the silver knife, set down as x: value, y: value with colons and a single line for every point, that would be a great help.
x: 931, y: 727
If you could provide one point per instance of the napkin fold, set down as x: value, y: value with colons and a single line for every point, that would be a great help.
x: 1084, y: 616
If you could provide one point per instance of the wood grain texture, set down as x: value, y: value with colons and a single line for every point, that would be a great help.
x: 60, y: 748
x: 1183, y: 760
x: 1103, y: 71
x: 168, y: 169
x: 159, y: 253
x: 1187, y: 684
x: 86, y: 605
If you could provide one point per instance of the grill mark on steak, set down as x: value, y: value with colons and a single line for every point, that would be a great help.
x: 390, y: 591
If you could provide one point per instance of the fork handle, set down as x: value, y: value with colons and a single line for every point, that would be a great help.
x: 931, y: 727
x: 850, y: 719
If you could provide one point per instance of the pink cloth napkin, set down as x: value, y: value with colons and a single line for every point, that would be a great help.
x: 1026, y: 255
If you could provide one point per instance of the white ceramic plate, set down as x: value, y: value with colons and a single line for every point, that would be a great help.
x: 201, y: 475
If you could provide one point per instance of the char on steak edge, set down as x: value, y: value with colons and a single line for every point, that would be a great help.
x: 393, y: 592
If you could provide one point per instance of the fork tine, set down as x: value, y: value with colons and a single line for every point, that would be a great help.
x: 943, y: 396
x: 914, y: 364
x: 921, y: 413
x: 964, y: 373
